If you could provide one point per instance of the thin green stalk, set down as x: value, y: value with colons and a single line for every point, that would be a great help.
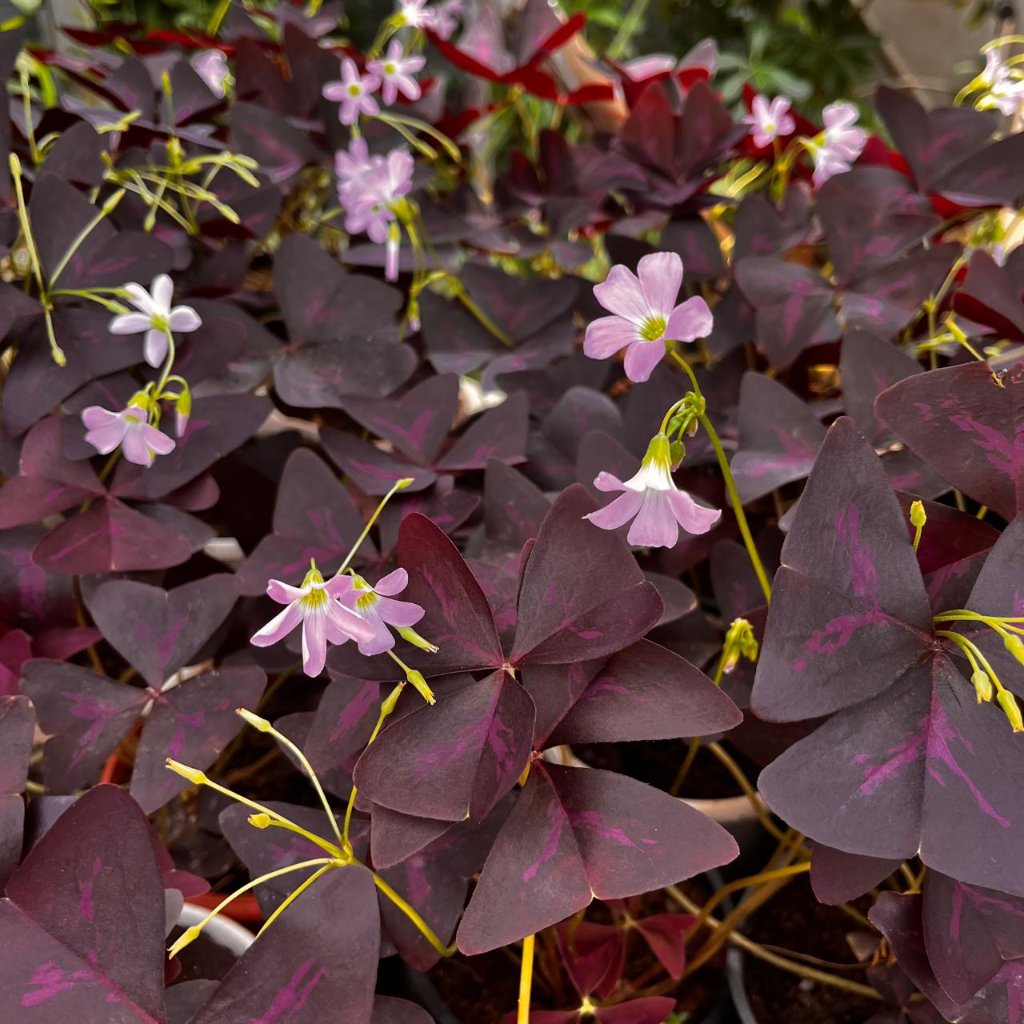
x: 296, y: 893
x: 526, y: 980
x: 730, y: 486
x: 399, y: 485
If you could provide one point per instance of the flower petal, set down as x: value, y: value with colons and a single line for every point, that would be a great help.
x: 106, y: 438
x: 155, y: 348
x: 621, y: 294
x: 140, y: 298
x: 338, y: 586
x: 655, y: 525
x: 620, y: 511
x: 283, y: 593
x: 399, y: 613
x: 135, y: 449
x: 605, y: 481
x: 185, y: 319
x: 162, y: 290
x: 129, y: 323
x: 690, y: 320
x: 608, y: 335
x: 279, y: 626
x: 314, y: 643
x: 394, y: 583
x: 95, y: 417
x: 641, y: 359
x: 156, y: 440
x: 349, y: 622
x: 693, y: 518
x: 661, y: 277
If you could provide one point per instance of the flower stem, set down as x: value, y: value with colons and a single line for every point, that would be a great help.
x: 410, y: 912
x: 730, y: 486
x: 526, y: 980
x: 399, y: 485
x: 296, y: 893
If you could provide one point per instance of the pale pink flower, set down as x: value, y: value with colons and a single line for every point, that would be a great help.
x: 839, y: 145
x: 645, y: 314
x: 413, y: 14
x: 355, y: 168
x: 443, y: 19
x: 654, y: 503
x: 212, y: 67
x: 395, y: 71
x: 354, y: 92
x: 1005, y: 92
x: 769, y: 120
x: 377, y: 607
x: 324, y: 619
x: 369, y: 199
x: 155, y: 316
x: 130, y: 428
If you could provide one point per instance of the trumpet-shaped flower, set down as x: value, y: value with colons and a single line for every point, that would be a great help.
x: 644, y: 314
x: 354, y: 92
x: 395, y: 71
x: 155, y: 316
x: 314, y: 606
x: 377, y: 607
x: 130, y: 428
x: 212, y: 67
x: 654, y: 503
x: 769, y: 120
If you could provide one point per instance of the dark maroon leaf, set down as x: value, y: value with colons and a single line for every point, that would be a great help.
x: 314, y: 517
x: 318, y: 962
x: 514, y: 508
x: 763, y: 230
x: 645, y: 1010
x: 839, y: 877
x: 989, y: 295
x: 85, y: 716
x: 280, y: 149
x: 192, y: 723
x: 577, y: 833
x: 498, y: 434
x: 395, y: 837
x: 646, y: 693
x: 968, y: 933
x: 110, y: 537
x: 794, y: 307
x: 779, y: 437
x: 84, y: 919
x: 665, y: 934
x: 157, y: 630
x: 388, y: 1010
x: 454, y: 760
x: 849, y: 613
x: 968, y: 425
x: 574, y: 607
x: 418, y: 422
x: 218, y: 425
x: 17, y: 725
x: 373, y: 470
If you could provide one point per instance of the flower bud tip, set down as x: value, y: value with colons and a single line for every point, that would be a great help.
x: 405, y: 482
x: 253, y: 719
x: 193, y: 775
x: 261, y: 820
x: 918, y: 516
x: 186, y: 938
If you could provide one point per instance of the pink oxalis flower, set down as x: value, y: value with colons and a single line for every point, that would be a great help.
x: 377, y: 607
x: 212, y: 67
x: 769, y: 120
x: 441, y: 18
x: 840, y: 144
x: 395, y: 71
x: 651, y: 499
x: 155, y: 316
x: 354, y: 92
x: 644, y: 314
x: 130, y: 428
x: 314, y: 606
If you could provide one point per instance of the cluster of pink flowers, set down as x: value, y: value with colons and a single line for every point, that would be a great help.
x: 832, y: 152
x: 369, y: 188
x: 130, y: 427
x: 646, y: 320
x: 341, y: 609
x: 390, y: 76
x: 441, y: 19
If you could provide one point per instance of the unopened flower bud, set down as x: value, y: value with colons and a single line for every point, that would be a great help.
x: 193, y: 775
x: 406, y: 481
x: 186, y: 938
x: 253, y: 719
x: 1011, y: 709
x: 677, y: 452
x: 182, y: 411
x: 982, y: 685
x: 261, y: 820
x: 918, y: 516
x: 1015, y: 645
x: 410, y: 635
x: 417, y: 680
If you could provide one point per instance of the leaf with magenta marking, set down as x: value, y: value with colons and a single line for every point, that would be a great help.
x: 577, y: 833
x: 968, y: 425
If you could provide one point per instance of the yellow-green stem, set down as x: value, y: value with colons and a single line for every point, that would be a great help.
x: 399, y: 485
x: 730, y: 486
x: 296, y: 893
x: 410, y: 912
x: 526, y: 980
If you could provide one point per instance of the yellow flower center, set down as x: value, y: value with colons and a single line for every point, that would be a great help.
x: 354, y: 89
x: 653, y: 328
x: 389, y: 68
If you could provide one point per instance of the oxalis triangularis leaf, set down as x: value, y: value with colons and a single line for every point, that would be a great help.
x: 910, y: 762
x: 573, y: 831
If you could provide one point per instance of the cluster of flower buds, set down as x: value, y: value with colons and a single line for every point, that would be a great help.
x: 134, y: 429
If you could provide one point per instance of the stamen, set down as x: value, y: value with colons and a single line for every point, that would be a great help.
x: 653, y: 328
